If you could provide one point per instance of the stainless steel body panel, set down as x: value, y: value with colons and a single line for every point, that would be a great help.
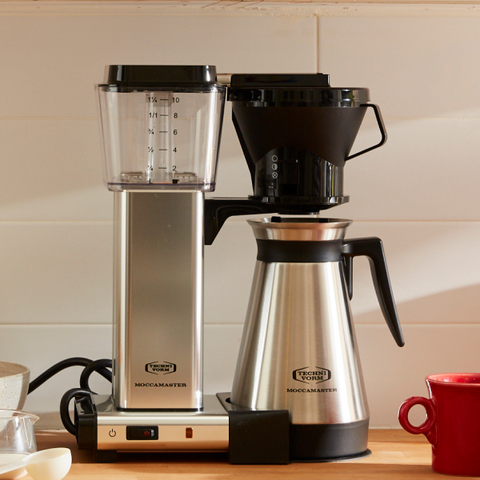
x: 298, y: 350
x: 207, y: 428
x: 158, y: 300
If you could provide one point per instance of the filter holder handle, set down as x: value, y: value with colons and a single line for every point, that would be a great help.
x: 372, y: 248
x: 381, y: 126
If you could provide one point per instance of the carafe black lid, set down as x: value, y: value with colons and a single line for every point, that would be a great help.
x: 281, y: 90
x: 161, y: 75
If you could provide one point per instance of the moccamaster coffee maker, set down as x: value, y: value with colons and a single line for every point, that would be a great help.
x: 298, y: 391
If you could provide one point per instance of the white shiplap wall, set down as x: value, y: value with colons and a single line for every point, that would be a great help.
x: 419, y: 192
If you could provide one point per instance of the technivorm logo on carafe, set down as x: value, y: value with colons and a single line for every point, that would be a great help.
x: 311, y: 376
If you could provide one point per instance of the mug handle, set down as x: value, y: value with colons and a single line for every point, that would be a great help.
x: 428, y: 427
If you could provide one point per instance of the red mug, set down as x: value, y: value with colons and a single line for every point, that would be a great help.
x: 452, y: 424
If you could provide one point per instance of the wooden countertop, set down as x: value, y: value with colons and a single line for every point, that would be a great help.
x: 396, y: 455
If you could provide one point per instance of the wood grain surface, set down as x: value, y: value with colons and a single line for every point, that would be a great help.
x: 395, y: 455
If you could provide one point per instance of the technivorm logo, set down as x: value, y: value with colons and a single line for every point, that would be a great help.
x: 158, y: 368
x: 312, y: 375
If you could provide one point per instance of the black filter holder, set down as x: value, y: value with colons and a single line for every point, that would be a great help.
x: 296, y: 133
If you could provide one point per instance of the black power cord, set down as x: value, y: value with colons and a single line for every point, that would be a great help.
x: 103, y: 367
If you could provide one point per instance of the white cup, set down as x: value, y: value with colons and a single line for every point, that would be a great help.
x: 14, y: 380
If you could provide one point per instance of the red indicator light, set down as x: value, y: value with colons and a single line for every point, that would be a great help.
x: 146, y: 433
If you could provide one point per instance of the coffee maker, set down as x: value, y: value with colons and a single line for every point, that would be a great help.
x: 161, y: 128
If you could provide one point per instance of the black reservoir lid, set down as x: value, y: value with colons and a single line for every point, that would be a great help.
x: 261, y: 90
x: 161, y: 75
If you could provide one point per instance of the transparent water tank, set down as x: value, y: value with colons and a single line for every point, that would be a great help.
x: 161, y: 126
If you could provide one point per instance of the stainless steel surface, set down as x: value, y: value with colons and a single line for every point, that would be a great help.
x: 158, y: 300
x: 299, y: 228
x: 298, y: 350
x: 208, y: 428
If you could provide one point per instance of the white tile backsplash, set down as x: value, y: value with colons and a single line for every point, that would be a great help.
x: 54, y: 59
x: 229, y: 265
x: 55, y: 273
x: 431, y: 279
x: 419, y: 192
x: 52, y: 171
x: 415, y: 66
x: 427, y: 170
x: 391, y: 374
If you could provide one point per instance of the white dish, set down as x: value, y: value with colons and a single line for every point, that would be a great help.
x: 6, y: 458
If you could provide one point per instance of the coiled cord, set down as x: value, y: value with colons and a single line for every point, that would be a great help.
x: 103, y: 367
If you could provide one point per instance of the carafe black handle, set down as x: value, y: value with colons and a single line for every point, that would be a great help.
x: 372, y: 248
x: 381, y: 126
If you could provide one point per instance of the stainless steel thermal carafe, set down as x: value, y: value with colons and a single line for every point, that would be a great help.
x: 298, y: 350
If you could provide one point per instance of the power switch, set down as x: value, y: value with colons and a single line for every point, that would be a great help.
x: 142, y: 433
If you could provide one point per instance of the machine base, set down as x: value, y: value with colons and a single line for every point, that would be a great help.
x: 101, y: 426
x: 257, y: 436
x: 249, y: 436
